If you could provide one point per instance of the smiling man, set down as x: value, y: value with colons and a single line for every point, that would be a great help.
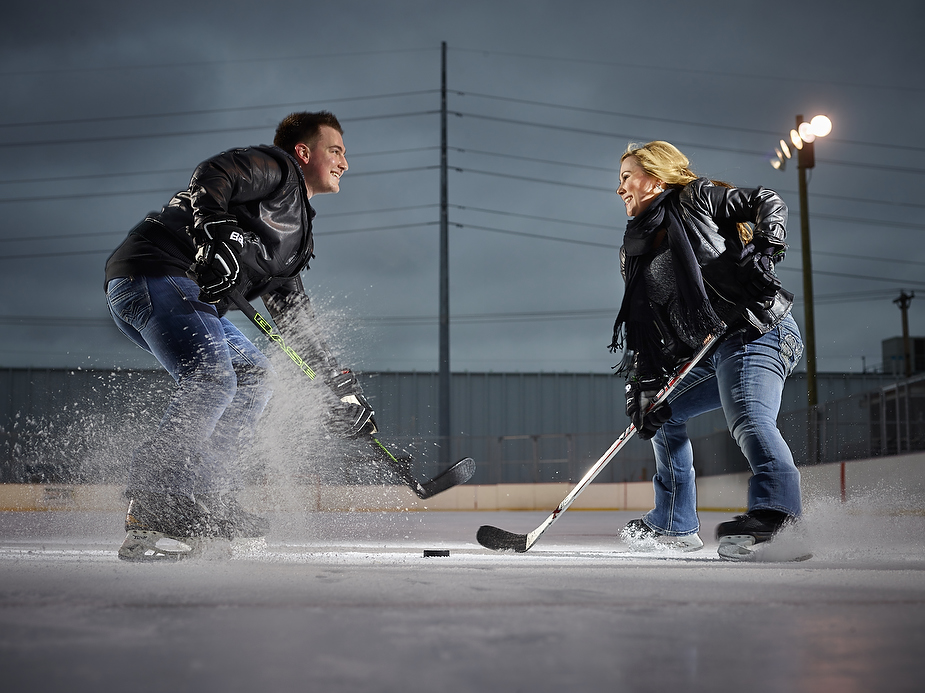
x: 243, y: 226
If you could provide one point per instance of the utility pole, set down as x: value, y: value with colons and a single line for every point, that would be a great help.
x: 443, y: 404
x: 903, y: 302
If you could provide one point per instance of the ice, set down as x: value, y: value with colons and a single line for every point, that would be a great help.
x: 347, y: 602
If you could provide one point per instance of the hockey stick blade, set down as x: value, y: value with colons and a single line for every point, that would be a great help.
x: 501, y: 540
x: 459, y: 473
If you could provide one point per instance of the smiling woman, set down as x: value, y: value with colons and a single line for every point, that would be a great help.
x: 691, y: 273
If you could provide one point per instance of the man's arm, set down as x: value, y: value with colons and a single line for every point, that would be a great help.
x: 291, y: 310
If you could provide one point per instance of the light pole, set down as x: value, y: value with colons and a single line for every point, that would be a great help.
x: 803, y: 138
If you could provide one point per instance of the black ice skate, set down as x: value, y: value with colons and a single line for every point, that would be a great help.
x: 165, y: 526
x: 749, y: 537
x: 237, y: 522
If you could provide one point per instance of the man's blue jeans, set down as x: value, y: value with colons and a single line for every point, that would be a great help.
x: 746, y: 379
x: 222, y: 386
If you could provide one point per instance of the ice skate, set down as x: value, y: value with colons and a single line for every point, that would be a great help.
x: 165, y: 526
x: 246, y: 530
x: 762, y: 535
x: 640, y: 537
x: 236, y: 522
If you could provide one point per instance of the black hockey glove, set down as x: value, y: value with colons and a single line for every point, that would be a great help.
x: 217, y: 269
x: 352, y: 417
x: 640, y: 394
x: 756, y: 275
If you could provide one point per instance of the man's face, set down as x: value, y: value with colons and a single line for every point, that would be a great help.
x: 324, y: 162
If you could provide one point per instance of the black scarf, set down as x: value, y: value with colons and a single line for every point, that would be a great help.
x: 635, y: 327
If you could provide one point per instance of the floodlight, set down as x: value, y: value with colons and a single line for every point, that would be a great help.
x: 821, y: 126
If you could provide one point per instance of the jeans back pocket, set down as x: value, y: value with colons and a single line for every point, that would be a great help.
x: 130, y: 301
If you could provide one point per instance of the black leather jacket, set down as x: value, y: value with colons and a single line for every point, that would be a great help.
x: 711, y: 213
x: 262, y: 189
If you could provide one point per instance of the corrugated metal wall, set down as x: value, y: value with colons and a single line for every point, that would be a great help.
x: 520, y: 427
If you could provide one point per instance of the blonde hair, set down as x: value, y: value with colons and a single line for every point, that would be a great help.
x: 667, y: 163
x: 662, y: 160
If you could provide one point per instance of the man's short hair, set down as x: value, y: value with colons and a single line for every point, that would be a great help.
x: 303, y: 127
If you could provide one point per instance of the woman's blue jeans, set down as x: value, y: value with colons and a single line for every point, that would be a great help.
x: 746, y: 380
x: 222, y: 386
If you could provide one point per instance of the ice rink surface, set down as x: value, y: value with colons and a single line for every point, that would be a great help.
x: 347, y: 602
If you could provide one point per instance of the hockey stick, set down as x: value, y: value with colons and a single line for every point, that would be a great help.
x: 458, y: 473
x: 501, y: 540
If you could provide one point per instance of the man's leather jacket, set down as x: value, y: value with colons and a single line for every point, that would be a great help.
x: 260, y: 189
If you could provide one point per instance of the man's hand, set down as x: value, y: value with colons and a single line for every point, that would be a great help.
x: 640, y: 393
x: 217, y: 269
x: 352, y: 417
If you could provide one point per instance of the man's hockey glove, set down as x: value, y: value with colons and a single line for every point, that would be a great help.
x: 757, y: 277
x: 217, y: 269
x: 352, y: 416
x: 640, y: 392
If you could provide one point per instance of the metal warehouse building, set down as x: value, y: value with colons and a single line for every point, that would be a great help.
x: 520, y: 427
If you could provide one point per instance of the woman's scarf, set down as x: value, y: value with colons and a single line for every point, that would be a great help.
x: 635, y: 327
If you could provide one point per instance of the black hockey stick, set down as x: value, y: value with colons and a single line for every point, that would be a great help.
x: 458, y: 473
x: 501, y: 540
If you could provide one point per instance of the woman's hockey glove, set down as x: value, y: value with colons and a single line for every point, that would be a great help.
x: 757, y: 277
x: 640, y: 393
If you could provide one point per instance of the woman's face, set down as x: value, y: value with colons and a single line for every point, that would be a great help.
x: 637, y: 188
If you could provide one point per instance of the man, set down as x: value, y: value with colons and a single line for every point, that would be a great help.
x: 243, y: 225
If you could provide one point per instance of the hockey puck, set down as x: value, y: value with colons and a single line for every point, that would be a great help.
x: 434, y: 553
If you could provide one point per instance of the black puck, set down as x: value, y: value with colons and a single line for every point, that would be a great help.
x: 434, y: 553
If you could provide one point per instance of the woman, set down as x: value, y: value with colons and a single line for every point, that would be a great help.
x: 698, y: 259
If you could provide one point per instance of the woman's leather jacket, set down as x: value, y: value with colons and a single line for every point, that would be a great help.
x: 710, y: 213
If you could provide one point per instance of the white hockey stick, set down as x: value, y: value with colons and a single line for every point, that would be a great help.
x: 501, y: 540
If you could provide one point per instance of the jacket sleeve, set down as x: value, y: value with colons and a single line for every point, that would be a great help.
x: 759, y: 206
x: 294, y: 316
x: 235, y: 177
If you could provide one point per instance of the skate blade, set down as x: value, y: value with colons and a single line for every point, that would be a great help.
x: 146, y: 545
x: 742, y: 547
x: 649, y: 545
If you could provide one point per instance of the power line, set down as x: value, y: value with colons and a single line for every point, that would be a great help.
x: 533, y: 180
x: 676, y: 121
x: 696, y: 145
x: 166, y: 191
x: 569, y: 222
x: 538, y: 236
x: 186, y: 170
x: 845, y: 275
x: 231, y: 61
x: 375, y: 228
x: 213, y: 111
x: 194, y: 133
x: 849, y: 198
x: 535, y: 160
x: 674, y: 69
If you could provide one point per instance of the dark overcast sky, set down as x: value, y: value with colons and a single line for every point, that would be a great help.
x: 107, y: 108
